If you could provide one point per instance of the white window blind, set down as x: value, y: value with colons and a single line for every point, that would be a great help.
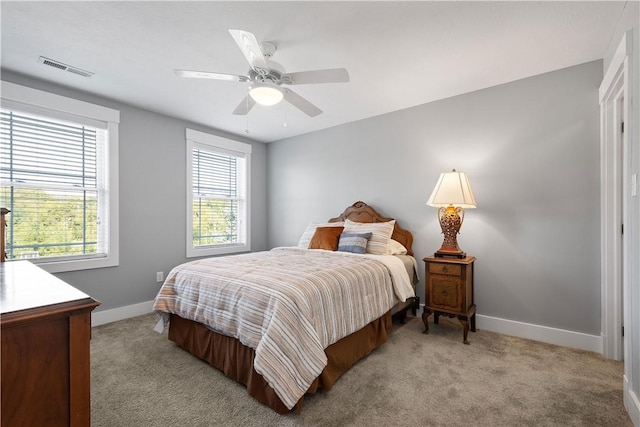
x: 53, y: 181
x: 218, y: 187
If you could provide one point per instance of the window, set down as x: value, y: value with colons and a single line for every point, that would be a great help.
x: 58, y: 175
x: 218, y: 172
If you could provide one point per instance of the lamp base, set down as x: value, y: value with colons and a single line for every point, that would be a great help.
x: 450, y: 223
x: 445, y: 254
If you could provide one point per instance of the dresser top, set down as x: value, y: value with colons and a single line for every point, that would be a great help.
x: 24, y: 286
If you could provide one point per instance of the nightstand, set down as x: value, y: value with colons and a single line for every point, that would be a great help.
x: 449, y: 291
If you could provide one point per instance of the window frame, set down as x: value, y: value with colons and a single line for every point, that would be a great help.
x: 214, y: 143
x: 22, y: 98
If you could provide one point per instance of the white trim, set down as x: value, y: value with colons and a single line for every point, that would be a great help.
x: 218, y: 142
x: 121, y: 313
x: 494, y: 324
x: 613, y: 91
x: 196, y: 139
x: 623, y: 50
x: 33, y: 99
x: 631, y: 402
x: 40, y: 99
x: 540, y: 333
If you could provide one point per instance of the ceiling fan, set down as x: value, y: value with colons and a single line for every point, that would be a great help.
x: 266, y: 77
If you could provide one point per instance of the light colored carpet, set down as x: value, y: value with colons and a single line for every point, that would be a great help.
x: 140, y: 378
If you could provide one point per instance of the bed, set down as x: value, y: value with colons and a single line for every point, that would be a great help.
x: 265, y: 319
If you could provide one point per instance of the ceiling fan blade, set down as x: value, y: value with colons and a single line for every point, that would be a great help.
x: 207, y: 75
x: 250, y: 47
x: 333, y: 75
x: 245, y: 106
x: 301, y: 104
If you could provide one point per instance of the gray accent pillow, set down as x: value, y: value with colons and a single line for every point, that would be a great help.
x: 354, y: 242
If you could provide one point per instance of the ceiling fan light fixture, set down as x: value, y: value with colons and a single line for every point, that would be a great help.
x: 266, y: 94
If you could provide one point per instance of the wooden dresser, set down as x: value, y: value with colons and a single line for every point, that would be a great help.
x: 46, y: 328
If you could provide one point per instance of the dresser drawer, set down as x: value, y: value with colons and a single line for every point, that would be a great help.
x: 449, y: 269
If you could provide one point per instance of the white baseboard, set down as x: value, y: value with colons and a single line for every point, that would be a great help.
x: 540, y: 333
x: 107, y: 316
x: 494, y: 324
x: 631, y: 402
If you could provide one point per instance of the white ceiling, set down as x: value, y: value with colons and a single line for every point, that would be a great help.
x: 398, y: 54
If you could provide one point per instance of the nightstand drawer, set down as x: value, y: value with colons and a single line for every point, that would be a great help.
x: 446, y: 294
x: 450, y: 269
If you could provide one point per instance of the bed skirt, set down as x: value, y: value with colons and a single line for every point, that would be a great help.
x: 235, y: 360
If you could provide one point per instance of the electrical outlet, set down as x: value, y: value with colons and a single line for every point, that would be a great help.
x: 159, y: 276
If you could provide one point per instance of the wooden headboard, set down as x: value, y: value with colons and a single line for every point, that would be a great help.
x: 361, y: 212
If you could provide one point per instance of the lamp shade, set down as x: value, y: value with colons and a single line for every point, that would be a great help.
x: 265, y: 94
x: 452, y: 188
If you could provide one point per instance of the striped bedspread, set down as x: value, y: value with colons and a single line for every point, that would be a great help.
x: 288, y: 304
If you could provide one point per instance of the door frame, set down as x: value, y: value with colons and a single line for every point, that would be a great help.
x: 614, y: 93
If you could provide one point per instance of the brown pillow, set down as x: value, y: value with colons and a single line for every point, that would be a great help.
x: 326, y: 238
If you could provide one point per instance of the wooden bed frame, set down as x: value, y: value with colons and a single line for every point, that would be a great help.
x: 236, y: 360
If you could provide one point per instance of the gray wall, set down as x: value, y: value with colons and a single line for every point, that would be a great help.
x: 531, y: 151
x: 152, y: 201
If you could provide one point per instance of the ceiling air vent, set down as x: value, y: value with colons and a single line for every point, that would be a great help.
x: 64, y: 67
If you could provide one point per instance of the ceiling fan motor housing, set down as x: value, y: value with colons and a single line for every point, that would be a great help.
x: 272, y: 76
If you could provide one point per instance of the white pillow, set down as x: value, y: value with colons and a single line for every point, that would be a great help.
x: 396, y: 248
x: 380, y: 234
x: 306, y: 237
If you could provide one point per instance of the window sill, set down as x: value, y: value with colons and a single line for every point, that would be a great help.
x: 217, y: 250
x: 76, y: 264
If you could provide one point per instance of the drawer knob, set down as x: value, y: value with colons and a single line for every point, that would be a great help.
x: 444, y: 269
x: 444, y: 293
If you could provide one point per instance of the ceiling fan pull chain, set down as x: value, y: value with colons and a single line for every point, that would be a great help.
x: 284, y: 115
x: 246, y: 129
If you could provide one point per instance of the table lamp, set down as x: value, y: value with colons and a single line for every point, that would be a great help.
x: 451, y: 196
